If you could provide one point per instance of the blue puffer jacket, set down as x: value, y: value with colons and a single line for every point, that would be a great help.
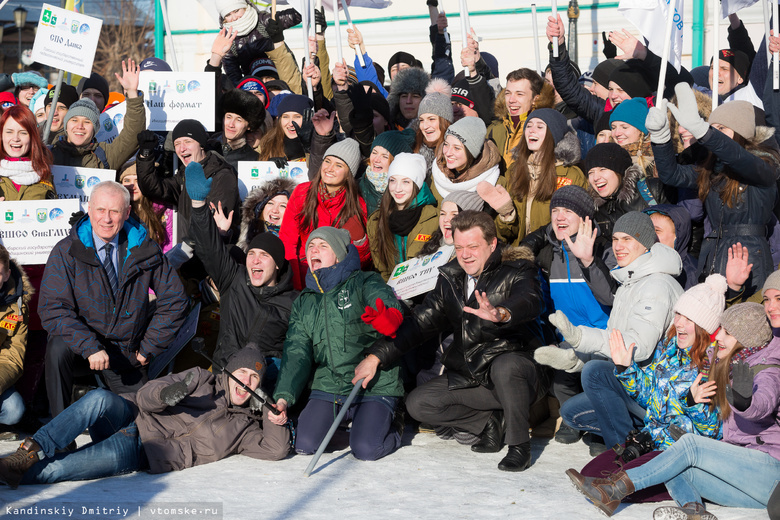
x: 77, y: 303
x: 661, y: 388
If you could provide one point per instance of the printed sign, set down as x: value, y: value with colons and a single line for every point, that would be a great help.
x: 173, y: 96
x: 252, y: 174
x: 419, y: 275
x: 29, y: 229
x: 66, y: 40
x: 77, y: 183
x: 111, y: 123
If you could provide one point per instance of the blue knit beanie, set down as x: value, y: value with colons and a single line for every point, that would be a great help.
x: 632, y: 111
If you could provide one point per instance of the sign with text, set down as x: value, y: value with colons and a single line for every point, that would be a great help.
x: 252, y: 174
x: 173, y: 96
x: 76, y: 183
x: 29, y: 229
x: 66, y: 40
x: 419, y: 275
x: 111, y: 123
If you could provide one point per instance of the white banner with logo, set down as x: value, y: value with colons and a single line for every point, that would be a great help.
x: 29, y: 229
x: 418, y: 275
x: 66, y: 40
x: 111, y: 123
x: 252, y: 174
x: 77, y: 183
x: 173, y: 96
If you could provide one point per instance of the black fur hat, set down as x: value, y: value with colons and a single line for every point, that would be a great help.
x: 245, y: 105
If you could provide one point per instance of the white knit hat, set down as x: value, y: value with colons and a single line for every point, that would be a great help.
x: 703, y: 304
x: 411, y: 165
x: 225, y: 7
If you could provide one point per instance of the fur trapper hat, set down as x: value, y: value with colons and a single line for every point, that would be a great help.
x: 246, y: 105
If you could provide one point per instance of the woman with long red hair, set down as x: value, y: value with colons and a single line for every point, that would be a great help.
x: 25, y: 163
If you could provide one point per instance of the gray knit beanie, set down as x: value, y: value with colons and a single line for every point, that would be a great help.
x: 748, y: 324
x: 465, y: 200
x: 437, y: 104
x: 248, y: 357
x: 337, y: 239
x: 703, y: 303
x: 739, y: 115
x: 471, y: 132
x: 87, y: 108
x: 772, y: 282
x: 348, y: 151
x: 575, y: 198
x: 639, y: 225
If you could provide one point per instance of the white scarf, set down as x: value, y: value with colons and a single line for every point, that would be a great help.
x: 246, y: 23
x: 444, y: 185
x: 20, y: 172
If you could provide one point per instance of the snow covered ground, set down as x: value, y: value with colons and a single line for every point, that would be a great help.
x: 427, y: 478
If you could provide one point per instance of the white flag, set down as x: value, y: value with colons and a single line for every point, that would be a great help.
x: 728, y: 7
x: 650, y: 17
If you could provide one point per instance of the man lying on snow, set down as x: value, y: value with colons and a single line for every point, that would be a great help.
x: 169, y: 424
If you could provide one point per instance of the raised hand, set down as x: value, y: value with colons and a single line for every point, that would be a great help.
x: 486, y: 310
x: 555, y: 28
x: 222, y: 44
x: 582, y: 247
x: 621, y: 355
x: 626, y: 42
x: 129, y: 78
x: 222, y: 221
x: 737, y: 266
x: 701, y: 393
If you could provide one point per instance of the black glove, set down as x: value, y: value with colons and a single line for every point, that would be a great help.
x: 305, y: 133
x: 740, y: 392
x: 433, y: 3
x: 280, y: 162
x: 147, y: 142
x: 172, y: 394
x: 610, y: 51
x: 319, y: 21
x: 75, y: 217
x: 362, y: 114
x: 275, y: 31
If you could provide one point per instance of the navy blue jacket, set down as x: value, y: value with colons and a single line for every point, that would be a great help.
x: 76, y: 301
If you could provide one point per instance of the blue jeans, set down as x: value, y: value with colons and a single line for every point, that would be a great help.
x: 603, y: 407
x: 698, y: 467
x: 11, y: 407
x: 115, y: 447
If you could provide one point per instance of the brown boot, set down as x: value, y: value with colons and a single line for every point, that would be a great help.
x: 605, y: 493
x: 690, y: 511
x: 13, y: 467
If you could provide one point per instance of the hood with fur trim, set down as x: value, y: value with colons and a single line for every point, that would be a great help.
x: 515, y: 253
x: 408, y: 80
x: 250, y: 225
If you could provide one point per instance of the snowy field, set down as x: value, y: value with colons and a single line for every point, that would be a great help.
x: 427, y: 478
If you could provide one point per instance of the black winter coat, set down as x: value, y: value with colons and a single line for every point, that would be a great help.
x: 511, y: 280
x: 247, y: 313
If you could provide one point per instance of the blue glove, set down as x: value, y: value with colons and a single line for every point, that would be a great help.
x: 198, y: 186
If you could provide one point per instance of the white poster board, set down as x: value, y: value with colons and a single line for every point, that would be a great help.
x: 111, y: 123
x: 29, y: 229
x: 252, y: 174
x: 170, y: 97
x: 419, y: 275
x: 66, y: 40
x: 76, y: 183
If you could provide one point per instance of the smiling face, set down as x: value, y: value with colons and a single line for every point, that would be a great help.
x: 16, y: 140
x: 261, y: 268
x: 235, y: 126
x: 664, y: 229
x: 334, y: 173
x: 565, y: 222
x: 107, y: 213
x: 430, y: 127
x: 287, y: 120
x: 188, y: 150
x: 624, y: 134
x: 605, y: 181
x: 130, y: 181
x: 686, y: 331
x: 626, y: 248
x: 274, y: 209
x: 401, y: 189
x: 726, y: 343
x: 409, y: 102
x: 79, y: 130
x: 447, y: 212
x: 234, y: 15
x: 685, y: 136
x: 728, y: 79
x: 239, y: 396
x: 380, y: 159
x: 96, y: 96
x: 534, y: 134
x: 59, y: 116
x: 473, y: 250
x: 519, y: 97
x: 26, y: 94
x: 454, y: 153
x: 772, y: 307
x: 616, y: 94
x: 320, y: 255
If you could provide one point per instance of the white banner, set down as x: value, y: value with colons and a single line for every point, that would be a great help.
x: 252, y: 174
x: 728, y: 7
x: 29, y: 229
x: 173, y: 96
x: 650, y: 18
x: 66, y: 40
x: 418, y: 275
x: 77, y: 183
x: 111, y: 123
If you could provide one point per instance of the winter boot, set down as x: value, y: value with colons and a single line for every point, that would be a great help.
x: 13, y: 467
x: 492, y: 438
x: 690, y: 511
x: 605, y: 493
x: 517, y: 459
x: 567, y: 435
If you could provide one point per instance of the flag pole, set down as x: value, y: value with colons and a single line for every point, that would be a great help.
x: 464, y: 28
x: 164, y: 7
x: 765, y: 9
x: 339, y: 53
x: 358, y: 54
x: 536, y: 40
x: 555, y: 38
x: 671, y: 8
x: 775, y: 55
x: 715, y: 51
x: 306, y: 52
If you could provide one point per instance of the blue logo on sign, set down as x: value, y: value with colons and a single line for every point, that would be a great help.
x: 84, y: 29
x: 56, y: 214
x: 193, y: 86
